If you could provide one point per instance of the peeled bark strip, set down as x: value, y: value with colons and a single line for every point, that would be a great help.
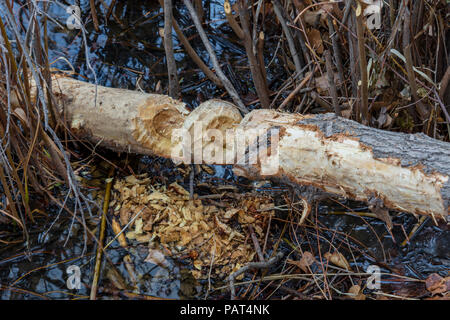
x: 407, y: 172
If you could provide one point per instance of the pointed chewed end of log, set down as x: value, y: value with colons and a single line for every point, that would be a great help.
x: 155, y: 121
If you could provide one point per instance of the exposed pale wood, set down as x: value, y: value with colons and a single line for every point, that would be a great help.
x: 122, y: 120
x: 407, y: 172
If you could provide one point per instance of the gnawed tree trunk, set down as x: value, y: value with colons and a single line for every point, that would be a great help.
x: 407, y: 172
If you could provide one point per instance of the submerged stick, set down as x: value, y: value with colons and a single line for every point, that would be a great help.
x: 251, y: 265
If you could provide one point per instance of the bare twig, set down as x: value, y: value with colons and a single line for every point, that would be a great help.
x: 407, y: 43
x: 110, y: 9
x: 279, y: 11
x: 251, y: 265
x: 98, y: 258
x: 198, y: 5
x: 255, y: 68
x: 260, y: 56
x: 331, y: 84
x: 231, y: 20
x: 352, y: 50
x: 191, y: 52
x: 362, y: 65
x: 414, y: 230
x: 94, y: 15
x: 191, y: 182
x: 227, y: 84
x: 295, y: 91
x: 110, y: 12
x: 256, y: 244
x: 255, y: 24
x: 336, y: 50
x: 347, y: 10
x: 174, y: 86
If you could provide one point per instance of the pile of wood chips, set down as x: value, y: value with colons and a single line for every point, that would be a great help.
x: 213, y: 237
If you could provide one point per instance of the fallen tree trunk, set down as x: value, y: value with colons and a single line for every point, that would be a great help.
x: 407, y: 172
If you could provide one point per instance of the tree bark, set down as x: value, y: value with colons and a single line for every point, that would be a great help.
x: 408, y: 172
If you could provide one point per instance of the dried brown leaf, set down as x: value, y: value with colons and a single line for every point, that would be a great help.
x: 437, y: 284
x: 337, y: 259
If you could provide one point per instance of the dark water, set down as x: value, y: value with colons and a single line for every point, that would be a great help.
x: 131, y: 55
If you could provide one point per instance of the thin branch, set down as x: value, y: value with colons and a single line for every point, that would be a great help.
x: 232, y: 21
x: 331, y: 84
x: 174, y: 86
x: 227, y: 84
x: 260, y: 56
x: 251, y: 265
x: 191, y: 52
x: 352, y: 52
x: 362, y: 64
x: 295, y: 91
x: 279, y: 11
x: 258, y: 80
x: 407, y: 43
x: 336, y: 50
x: 94, y: 15
x: 347, y: 10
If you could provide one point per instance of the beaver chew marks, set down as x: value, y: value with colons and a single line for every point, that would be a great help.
x: 156, y: 122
